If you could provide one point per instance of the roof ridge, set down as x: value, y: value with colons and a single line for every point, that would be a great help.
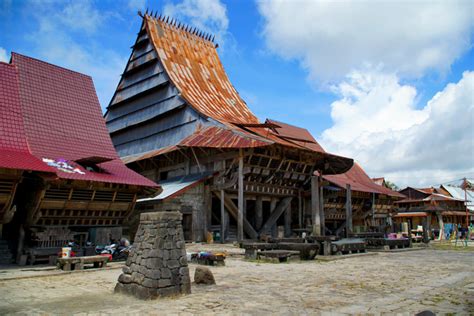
x: 175, y: 23
x: 47, y: 63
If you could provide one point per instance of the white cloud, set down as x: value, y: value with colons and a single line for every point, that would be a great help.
x: 207, y: 15
x: 56, y: 41
x: 3, y: 55
x: 332, y: 38
x: 376, y: 122
x: 136, y: 4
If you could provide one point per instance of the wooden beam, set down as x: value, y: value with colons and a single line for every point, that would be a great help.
x: 279, y: 209
x: 321, y: 207
x: 240, y: 217
x: 233, y: 210
x: 258, y: 212
x: 300, y: 210
x: 288, y: 221
x: 348, y: 210
x: 315, y: 206
x: 222, y: 217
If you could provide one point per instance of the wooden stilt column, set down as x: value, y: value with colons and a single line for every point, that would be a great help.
x: 258, y: 212
x: 240, y: 217
x: 348, y: 210
x: 273, y: 204
x: 373, y: 209
x: 321, y: 207
x: 288, y: 221
x: 223, y: 228
x: 300, y: 210
x: 315, y: 206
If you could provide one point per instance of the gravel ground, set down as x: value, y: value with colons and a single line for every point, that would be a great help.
x: 403, y: 283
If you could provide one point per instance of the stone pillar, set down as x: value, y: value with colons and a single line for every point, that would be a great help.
x: 157, y: 264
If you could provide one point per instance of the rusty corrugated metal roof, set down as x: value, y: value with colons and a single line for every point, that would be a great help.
x: 195, y: 69
x: 216, y: 137
x: 360, y: 181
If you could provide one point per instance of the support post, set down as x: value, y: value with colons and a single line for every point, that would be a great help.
x: 288, y: 221
x: 258, y: 212
x: 273, y: 204
x: 321, y: 207
x: 223, y: 231
x: 240, y: 217
x: 373, y: 209
x: 300, y: 210
x: 315, y: 206
x: 348, y: 210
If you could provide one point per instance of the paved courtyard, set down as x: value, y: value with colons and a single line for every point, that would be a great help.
x: 405, y: 283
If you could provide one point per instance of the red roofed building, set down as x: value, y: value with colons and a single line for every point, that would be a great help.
x: 53, y: 135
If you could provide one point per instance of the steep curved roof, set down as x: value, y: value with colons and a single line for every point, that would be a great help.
x: 14, y: 151
x: 194, y: 67
x: 63, y: 123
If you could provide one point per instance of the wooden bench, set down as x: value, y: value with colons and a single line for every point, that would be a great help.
x: 280, y: 255
x: 34, y: 255
x: 77, y: 263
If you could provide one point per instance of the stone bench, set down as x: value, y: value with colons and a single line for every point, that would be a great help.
x: 307, y: 251
x: 279, y: 255
x: 77, y: 263
x: 348, y: 246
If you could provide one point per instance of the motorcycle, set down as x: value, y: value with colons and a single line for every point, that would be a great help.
x: 115, y: 251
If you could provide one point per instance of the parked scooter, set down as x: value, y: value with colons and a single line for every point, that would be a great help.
x: 117, y: 251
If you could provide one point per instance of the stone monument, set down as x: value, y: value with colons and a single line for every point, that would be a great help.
x: 157, y: 265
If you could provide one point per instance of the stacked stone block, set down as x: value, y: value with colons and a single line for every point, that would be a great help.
x: 157, y: 265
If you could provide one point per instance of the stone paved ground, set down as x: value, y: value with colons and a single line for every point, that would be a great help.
x: 403, y: 283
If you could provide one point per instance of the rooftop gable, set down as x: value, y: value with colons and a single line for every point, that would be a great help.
x: 14, y: 151
x: 63, y: 122
x: 192, y: 63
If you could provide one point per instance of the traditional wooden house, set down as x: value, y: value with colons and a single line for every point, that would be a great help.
x: 372, y: 204
x: 431, y: 208
x: 51, y: 123
x: 176, y: 118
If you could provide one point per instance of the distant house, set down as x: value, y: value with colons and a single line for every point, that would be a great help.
x: 372, y: 203
x: 431, y: 208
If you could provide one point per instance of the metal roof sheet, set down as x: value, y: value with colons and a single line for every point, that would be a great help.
x: 458, y: 193
x: 175, y: 186
x: 14, y: 151
x: 63, y: 123
x: 359, y: 181
x: 195, y: 69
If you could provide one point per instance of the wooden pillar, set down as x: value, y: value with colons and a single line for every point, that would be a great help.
x: 315, y: 206
x: 428, y: 225
x: 273, y: 204
x: 441, y: 225
x: 21, y: 243
x: 373, y: 209
x: 300, y: 210
x: 258, y: 212
x: 240, y: 217
x: 223, y: 230
x: 348, y: 210
x: 288, y: 221
x: 321, y: 207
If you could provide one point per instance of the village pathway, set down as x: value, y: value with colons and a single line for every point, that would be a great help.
x: 403, y: 283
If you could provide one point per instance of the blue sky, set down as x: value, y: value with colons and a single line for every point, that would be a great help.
x: 363, y: 84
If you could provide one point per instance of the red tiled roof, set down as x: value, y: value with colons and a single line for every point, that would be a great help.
x: 14, y: 152
x: 359, y: 181
x: 63, y: 121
